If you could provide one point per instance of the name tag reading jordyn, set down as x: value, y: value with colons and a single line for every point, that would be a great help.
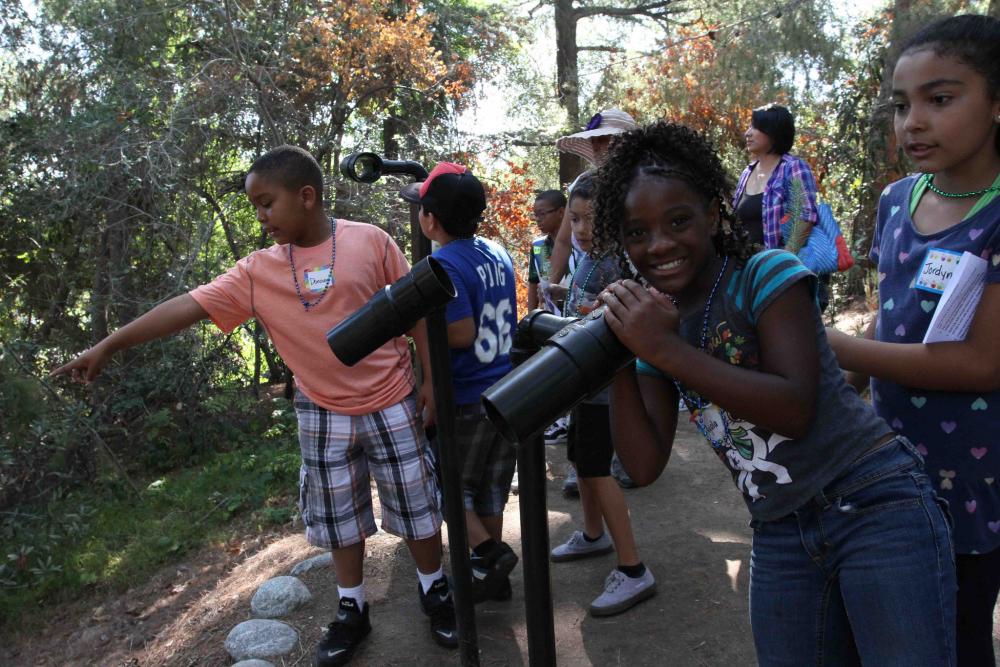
x: 318, y: 278
x: 937, y: 269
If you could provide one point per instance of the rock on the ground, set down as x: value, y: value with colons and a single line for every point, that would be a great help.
x: 253, y: 663
x: 258, y: 638
x: 278, y: 597
x: 322, y: 560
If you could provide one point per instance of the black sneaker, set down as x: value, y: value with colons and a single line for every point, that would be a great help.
x: 504, y: 592
x: 344, y: 635
x: 490, y: 573
x: 440, y: 608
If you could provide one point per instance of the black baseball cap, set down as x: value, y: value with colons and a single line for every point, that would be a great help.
x: 450, y: 191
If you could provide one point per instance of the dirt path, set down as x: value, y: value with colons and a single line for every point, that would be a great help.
x: 691, y: 528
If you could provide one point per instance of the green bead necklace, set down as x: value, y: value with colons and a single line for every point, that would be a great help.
x: 582, y: 285
x: 958, y: 195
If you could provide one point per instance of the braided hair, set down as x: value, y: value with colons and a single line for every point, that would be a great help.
x: 667, y: 150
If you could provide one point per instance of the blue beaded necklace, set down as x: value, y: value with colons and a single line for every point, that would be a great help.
x: 697, y: 404
x: 329, y: 279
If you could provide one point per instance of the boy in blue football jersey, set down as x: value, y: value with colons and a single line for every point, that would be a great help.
x: 481, y: 323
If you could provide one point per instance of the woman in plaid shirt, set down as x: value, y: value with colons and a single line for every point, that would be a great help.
x: 775, y: 184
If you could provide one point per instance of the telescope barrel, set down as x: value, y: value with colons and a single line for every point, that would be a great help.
x: 391, y: 311
x: 576, y: 362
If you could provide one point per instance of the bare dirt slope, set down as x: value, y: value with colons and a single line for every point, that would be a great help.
x: 691, y: 526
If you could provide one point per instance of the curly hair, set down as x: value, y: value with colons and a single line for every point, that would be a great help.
x: 667, y: 150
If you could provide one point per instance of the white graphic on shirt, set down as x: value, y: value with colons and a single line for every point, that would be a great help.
x: 743, y: 449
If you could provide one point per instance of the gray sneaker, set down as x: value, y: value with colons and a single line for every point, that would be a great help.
x: 622, y: 592
x: 577, y: 547
x: 618, y: 472
x: 571, y: 488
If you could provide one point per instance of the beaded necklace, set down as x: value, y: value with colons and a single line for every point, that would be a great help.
x: 329, y: 279
x: 958, y: 195
x: 697, y: 404
x: 583, y: 285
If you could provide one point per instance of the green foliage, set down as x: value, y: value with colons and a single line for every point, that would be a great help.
x: 98, y: 536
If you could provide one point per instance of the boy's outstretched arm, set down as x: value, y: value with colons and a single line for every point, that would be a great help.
x: 969, y: 365
x: 643, y: 423
x: 169, y: 317
x: 425, y: 394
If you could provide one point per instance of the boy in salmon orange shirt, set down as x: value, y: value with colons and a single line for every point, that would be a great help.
x: 354, y: 422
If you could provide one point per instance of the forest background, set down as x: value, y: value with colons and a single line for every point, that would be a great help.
x: 125, y: 128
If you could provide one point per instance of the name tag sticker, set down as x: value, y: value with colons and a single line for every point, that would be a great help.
x: 937, y: 269
x: 317, y: 279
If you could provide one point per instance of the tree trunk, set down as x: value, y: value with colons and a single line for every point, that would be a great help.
x: 994, y: 9
x: 568, y: 82
x: 390, y: 136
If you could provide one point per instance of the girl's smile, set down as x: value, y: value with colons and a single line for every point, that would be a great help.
x: 667, y: 234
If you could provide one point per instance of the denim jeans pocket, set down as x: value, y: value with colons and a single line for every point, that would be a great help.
x: 893, y: 492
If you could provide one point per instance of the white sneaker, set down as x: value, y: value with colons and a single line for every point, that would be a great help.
x: 555, y: 434
x: 622, y: 592
x: 577, y: 546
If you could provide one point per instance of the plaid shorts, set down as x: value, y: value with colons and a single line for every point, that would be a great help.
x: 488, y: 461
x: 339, y: 452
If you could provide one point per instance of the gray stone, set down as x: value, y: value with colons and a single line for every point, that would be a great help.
x: 322, y: 560
x: 279, y: 596
x: 253, y: 663
x: 258, y: 638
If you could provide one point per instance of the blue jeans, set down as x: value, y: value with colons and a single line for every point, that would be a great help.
x: 862, y: 574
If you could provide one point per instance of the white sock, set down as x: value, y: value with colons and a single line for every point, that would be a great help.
x: 356, y: 592
x: 427, y: 580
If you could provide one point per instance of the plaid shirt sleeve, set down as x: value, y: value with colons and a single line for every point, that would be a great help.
x: 776, y: 194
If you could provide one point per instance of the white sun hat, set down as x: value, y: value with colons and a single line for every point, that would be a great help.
x: 609, y: 121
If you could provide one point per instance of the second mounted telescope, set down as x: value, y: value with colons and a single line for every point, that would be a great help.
x: 577, y: 361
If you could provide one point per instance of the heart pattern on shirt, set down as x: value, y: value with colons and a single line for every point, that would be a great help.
x: 979, y: 404
x: 900, y: 330
x: 893, y: 211
x: 970, y: 506
x: 927, y: 306
x: 889, y: 305
x: 974, y: 233
x: 918, y: 401
x: 948, y: 427
x: 947, y: 476
x: 903, y: 256
x: 978, y: 452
